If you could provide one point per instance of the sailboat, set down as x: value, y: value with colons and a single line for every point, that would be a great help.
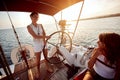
x: 68, y: 60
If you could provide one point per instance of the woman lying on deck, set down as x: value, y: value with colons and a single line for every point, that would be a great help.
x: 76, y: 59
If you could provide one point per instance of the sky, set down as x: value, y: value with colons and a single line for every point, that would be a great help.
x: 90, y: 8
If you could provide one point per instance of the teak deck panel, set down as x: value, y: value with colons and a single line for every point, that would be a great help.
x: 22, y: 73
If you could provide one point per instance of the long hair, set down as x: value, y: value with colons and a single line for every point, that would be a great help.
x: 112, y: 43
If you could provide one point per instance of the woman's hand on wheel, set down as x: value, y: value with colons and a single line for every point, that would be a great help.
x: 48, y: 37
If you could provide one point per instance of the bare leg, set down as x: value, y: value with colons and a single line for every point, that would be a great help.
x: 47, y: 64
x: 38, y: 58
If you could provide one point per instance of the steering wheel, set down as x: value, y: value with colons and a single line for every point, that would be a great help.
x: 57, y: 39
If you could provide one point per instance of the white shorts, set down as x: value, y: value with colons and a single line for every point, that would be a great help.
x: 38, y: 46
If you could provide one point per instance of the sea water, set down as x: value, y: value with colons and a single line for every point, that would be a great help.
x: 86, y: 33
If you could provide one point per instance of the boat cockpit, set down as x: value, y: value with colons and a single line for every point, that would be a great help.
x: 68, y: 60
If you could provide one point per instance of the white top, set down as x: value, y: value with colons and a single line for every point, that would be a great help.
x: 38, y: 44
x: 104, y: 70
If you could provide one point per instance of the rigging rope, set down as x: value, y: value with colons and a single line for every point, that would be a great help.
x: 12, y: 26
x: 21, y: 50
x: 78, y: 19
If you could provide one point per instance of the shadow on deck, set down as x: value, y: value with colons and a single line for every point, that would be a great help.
x: 60, y: 72
x: 22, y: 73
